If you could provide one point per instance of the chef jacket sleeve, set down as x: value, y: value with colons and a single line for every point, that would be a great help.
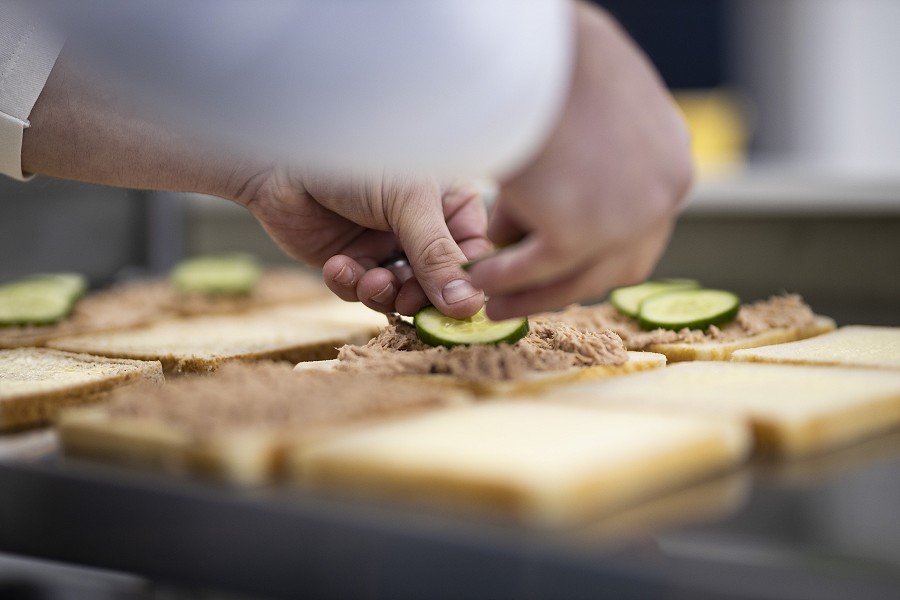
x: 28, y: 51
x: 454, y: 87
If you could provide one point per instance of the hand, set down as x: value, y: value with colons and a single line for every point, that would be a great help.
x: 595, y: 207
x: 351, y: 228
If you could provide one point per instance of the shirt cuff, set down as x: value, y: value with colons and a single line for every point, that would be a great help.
x: 26, y: 58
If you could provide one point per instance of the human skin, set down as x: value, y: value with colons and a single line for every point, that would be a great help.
x: 594, y: 209
x: 83, y: 129
x: 591, y: 210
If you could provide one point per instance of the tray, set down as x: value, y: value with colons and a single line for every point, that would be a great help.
x: 818, y: 528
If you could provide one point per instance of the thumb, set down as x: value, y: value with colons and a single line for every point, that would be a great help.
x: 433, y: 254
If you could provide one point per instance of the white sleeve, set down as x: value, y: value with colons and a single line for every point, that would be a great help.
x: 27, y: 54
x: 457, y: 87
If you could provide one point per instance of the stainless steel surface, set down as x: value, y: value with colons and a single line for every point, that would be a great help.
x: 819, y: 528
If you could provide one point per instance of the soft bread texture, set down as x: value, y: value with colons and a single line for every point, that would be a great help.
x: 542, y: 464
x: 713, y: 351
x: 37, y: 383
x: 793, y: 410
x: 136, y: 303
x: 310, y: 331
x: 237, y: 424
x: 535, y: 383
x: 852, y: 346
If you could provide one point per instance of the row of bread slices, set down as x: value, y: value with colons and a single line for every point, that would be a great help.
x: 560, y: 454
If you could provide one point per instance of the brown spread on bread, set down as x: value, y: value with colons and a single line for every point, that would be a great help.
x: 547, y: 347
x: 137, y: 303
x: 268, y: 395
x: 786, y: 311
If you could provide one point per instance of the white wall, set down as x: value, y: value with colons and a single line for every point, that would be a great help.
x: 824, y: 76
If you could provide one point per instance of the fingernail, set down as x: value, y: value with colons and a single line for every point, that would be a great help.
x: 457, y: 291
x: 384, y: 296
x: 344, y: 276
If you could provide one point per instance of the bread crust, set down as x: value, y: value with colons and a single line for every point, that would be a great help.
x: 39, y: 406
x: 537, y: 384
x: 724, y: 350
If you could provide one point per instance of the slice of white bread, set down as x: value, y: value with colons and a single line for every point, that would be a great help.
x: 534, y: 383
x: 851, y: 346
x: 135, y: 303
x: 237, y: 424
x: 37, y: 383
x: 539, y: 463
x: 310, y: 331
x: 793, y: 410
x: 679, y: 352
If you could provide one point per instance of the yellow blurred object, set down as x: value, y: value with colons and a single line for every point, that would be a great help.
x: 718, y: 123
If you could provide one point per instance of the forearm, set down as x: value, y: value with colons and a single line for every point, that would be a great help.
x: 87, y: 130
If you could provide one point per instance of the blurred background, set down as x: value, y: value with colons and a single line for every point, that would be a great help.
x: 792, y: 108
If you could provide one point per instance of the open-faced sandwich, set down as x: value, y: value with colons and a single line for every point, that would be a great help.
x: 685, y: 321
x: 238, y: 423
x: 39, y: 308
x: 490, y: 357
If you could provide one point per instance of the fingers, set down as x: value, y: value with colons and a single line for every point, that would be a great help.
x: 591, y: 279
x: 377, y: 287
x: 437, y: 230
x: 503, y: 229
x: 531, y: 263
x: 424, y: 229
x: 591, y: 282
x: 466, y: 218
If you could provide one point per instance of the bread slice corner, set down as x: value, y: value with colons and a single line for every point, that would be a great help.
x: 857, y: 346
x: 37, y: 383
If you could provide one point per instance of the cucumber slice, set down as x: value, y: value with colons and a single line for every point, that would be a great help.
x: 437, y: 329
x: 225, y: 274
x: 627, y: 300
x: 691, y: 308
x: 40, y: 299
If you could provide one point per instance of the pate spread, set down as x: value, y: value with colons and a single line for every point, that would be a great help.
x: 786, y: 311
x: 547, y: 347
x: 136, y: 303
x: 268, y: 395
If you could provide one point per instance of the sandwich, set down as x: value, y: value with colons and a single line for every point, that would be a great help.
x: 539, y: 355
x: 239, y: 423
x: 684, y: 321
x: 200, y: 286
